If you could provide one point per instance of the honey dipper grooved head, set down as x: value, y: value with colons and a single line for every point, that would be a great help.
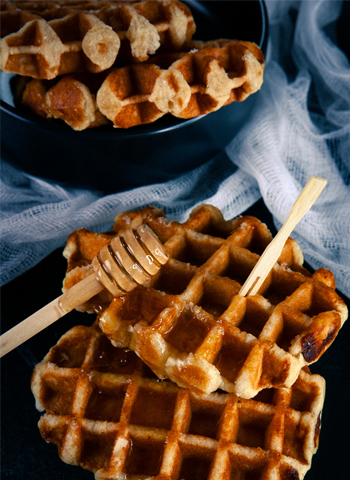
x: 129, y: 260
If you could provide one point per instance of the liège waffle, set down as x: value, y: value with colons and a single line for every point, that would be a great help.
x: 46, y: 39
x: 45, y: 49
x: 182, y: 84
x: 185, y: 85
x: 189, y: 324
x: 107, y: 413
x: 71, y: 98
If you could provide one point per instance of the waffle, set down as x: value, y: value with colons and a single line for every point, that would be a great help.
x: 72, y: 99
x: 196, y: 83
x: 181, y: 84
x: 243, y: 61
x: 173, y: 20
x: 43, y: 40
x: 45, y: 49
x: 125, y: 95
x: 107, y: 413
x: 218, y: 72
x: 189, y: 324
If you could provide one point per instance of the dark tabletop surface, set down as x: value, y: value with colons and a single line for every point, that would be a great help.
x: 25, y: 455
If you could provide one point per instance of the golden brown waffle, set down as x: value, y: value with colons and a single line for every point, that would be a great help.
x: 243, y: 61
x: 107, y: 413
x: 172, y: 19
x: 43, y: 40
x: 45, y: 49
x: 72, y: 99
x: 125, y: 97
x: 189, y: 323
x: 218, y: 72
x: 196, y: 83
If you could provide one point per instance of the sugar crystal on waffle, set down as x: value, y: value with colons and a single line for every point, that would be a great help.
x: 109, y: 414
x: 189, y: 324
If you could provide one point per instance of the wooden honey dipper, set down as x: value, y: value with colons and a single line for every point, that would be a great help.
x: 129, y: 260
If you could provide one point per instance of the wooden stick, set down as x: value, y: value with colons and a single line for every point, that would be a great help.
x: 135, y: 256
x: 303, y: 203
x: 75, y: 296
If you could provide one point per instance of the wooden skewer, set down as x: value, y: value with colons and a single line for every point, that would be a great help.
x: 303, y: 203
x: 130, y: 260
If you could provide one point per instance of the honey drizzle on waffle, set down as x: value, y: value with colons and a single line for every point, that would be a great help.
x: 107, y: 413
x: 189, y: 324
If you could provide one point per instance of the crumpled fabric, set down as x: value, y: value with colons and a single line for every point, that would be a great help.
x: 300, y: 126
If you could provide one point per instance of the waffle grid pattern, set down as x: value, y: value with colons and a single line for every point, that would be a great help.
x: 183, y: 84
x: 46, y: 39
x: 107, y: 413
x: 190, y: 325
x: 141, y: 55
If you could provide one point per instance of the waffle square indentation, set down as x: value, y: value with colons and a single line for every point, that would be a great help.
x: 253, y: 426
x: 58, y: 392
x: 153, y: 408
x: 205, y: 418
x: 107, y: 359
x: 97, y: 448
x: 145, y: 457
x: 106, y: 403
x: 190, y: 330
x: 196, y: 465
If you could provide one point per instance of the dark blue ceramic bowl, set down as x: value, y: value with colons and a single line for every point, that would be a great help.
x: 113, y: 160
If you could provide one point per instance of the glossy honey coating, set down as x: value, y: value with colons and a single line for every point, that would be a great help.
x: 188, y: 322
x: 107, y: 412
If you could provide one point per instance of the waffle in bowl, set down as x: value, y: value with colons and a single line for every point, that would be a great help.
x: 71, y: 98
x: 107, y: 413
x: 45, y: 49
x: 172, y: 19
x: 186, y: 84
x: 189, y: 324
x: 46, y: 39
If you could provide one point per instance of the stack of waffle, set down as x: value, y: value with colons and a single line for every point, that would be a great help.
x: 139, y: 57
x: 241, y: 401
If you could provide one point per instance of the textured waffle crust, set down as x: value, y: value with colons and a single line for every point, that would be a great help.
x: 190, y: 325
x: 108, y: 413
x: 184, y: 84
x: 46, y: 39
x: 122, y: 63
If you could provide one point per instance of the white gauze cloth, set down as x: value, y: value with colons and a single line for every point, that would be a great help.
x: 300, y: 127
